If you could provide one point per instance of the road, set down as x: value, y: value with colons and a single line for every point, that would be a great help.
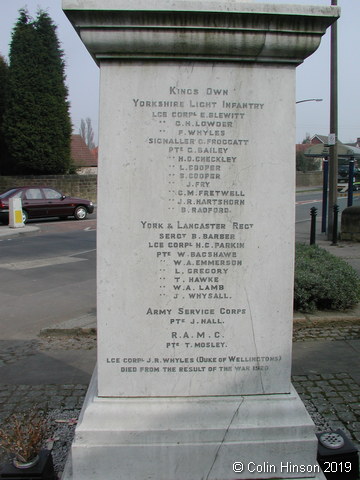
x: 50, y: 276
x: 304, y: 202
x: 47, y: 277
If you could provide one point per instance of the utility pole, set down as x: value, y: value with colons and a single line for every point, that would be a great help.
x: 333, y: 149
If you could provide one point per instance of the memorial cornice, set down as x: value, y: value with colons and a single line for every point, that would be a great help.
x: 199, y: 30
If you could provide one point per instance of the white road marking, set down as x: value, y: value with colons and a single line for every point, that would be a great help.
x: 84, y: 252
x: 305, y: 202
x: 39, y: 263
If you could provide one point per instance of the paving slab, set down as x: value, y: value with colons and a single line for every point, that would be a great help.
x: 56, y: 368
x: 6, y: 231
x: 326, y: 356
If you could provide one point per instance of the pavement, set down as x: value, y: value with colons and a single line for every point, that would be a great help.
x: 6, y: 231
x: 53, y: 370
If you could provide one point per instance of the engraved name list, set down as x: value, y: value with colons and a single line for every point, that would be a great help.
x: 195, y: 233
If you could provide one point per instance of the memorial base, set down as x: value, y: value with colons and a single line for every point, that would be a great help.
x: 193, y: 438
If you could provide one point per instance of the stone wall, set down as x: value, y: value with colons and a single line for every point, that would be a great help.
x: 309, y: 179
x: 350, y: 224
x: 84, y: 186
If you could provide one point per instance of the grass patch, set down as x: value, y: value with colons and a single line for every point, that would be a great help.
x: 323, y: 281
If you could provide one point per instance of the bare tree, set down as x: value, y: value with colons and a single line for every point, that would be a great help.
x: 87, y: 132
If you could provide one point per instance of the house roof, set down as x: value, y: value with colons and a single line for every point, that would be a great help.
x: 80, y: 153
x: 320, y: 138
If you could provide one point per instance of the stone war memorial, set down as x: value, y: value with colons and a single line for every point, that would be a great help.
x: 195, y: 244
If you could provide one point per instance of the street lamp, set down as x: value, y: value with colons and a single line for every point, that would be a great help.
x: 325, y: 171
x: 310, y: 100
x: 333, y: 150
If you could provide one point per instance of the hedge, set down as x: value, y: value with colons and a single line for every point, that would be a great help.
x: 323, y: 281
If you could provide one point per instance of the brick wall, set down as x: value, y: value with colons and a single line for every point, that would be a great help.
x: 83, y: 186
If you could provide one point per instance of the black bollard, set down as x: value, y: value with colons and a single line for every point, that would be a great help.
x: 335, y: 225
x: 325, y: 194
x: 350, y: 183
x: 313, y: 213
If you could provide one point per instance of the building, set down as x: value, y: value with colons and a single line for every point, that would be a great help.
x: 84, y: 159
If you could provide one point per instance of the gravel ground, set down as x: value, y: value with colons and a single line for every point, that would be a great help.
x: 63, y: 424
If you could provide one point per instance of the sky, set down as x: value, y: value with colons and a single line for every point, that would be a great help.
x: 312, y: 77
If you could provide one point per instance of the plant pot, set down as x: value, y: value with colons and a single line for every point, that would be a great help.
x: 23, y: 465
x: 42, y: 470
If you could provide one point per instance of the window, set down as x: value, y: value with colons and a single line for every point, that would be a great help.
x: 18, y: 194
x: 33, y: 194
x: 51, y: 194
x: 9, y: 193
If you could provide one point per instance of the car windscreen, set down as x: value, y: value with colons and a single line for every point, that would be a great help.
x: 8, y: 193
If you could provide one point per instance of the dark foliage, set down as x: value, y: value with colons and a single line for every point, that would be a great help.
x: 3, y: 85
x: 306, y: 164
x: 37, y: 124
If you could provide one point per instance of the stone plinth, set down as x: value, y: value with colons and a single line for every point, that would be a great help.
x: 195, y: 239
x: 256, y: 436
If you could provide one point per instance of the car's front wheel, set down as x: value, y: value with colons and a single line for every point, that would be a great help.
x: 80, y: 213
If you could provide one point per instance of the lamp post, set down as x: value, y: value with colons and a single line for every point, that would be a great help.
x: 325, y: 178
x: 333, y: 163
x: 310, y: 100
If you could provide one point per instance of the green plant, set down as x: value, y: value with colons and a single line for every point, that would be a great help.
x: 323, y: 281
x: 306, y: 164
x: 36, y: 121
x: 24, y: 434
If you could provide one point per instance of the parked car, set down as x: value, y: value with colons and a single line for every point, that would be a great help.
x: 343, y: 174
x: 41, y: 202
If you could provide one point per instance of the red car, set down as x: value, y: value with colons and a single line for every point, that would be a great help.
x: 41, y: 202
